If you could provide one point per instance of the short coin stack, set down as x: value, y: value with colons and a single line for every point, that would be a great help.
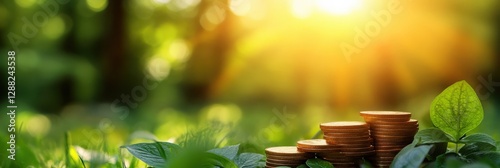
x: 286, y: 156
x: 391, y: 131
x: 351, y: 139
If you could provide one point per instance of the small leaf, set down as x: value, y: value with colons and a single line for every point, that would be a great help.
x: 457, y: 110
x: 229, y: 152
x: 148, y: 153
x: 498, y: 146
x: 365, y: 164
x: 218, y: 160
x: 474, y: 147
x: 412, y: 157
x: 318, y: 163
x: 302, y: 166
x: 248, y: 160
x: 441, y: 159
x: 489, y: 156
x: 432, y: 135
x: 484, y: 138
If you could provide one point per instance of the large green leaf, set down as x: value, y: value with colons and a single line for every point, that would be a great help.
x: 229, y: 152
x: 480, y: 137
x: 432, y: 135
x: 492, y: 157
x: 457, y: 110
x: 212, y: 159
x: 441, y: 159
x: 153, y: 154
x: 248, y: 160
x: 318, y: 163
x: 148, y: 153
x: 498, y: 146
x: 474, y: 147
x: 412, y: 157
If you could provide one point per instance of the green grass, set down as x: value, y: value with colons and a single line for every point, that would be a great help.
x: 254, y: 128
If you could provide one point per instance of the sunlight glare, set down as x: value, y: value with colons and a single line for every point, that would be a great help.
x: 338, y: 7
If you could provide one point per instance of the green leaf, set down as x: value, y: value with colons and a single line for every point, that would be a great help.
x: 498, y: 146
x: 248, y: 160
x: 412, y: 157
x: 441, y: 159
x: 474, y: 147
x: 148, y: 153
x: 153, y: 154
x: 229, y: 152
x: 480, y: 137
x: 432, y: 135
x: 457, y: 110
x: 302, y: 166
x: 218, y: 160
x: 488, y: 156
x: 318, y: 163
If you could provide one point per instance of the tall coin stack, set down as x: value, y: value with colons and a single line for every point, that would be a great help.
x: 391, y: 131
x: 352, y: 141
x: 286, y: 156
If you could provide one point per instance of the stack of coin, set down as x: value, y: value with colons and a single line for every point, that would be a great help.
x: 391, y: 131
x: 351, y: 139
x: 286, y: 156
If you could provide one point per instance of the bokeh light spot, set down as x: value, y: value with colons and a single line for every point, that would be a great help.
x: 161, y: 1
x: 225, y: 114
x: 179, y: 51
x: 38, y: 125
x: 301, y: 8
x: 25, y: 3
x: 97, y: 5
x: 54, y: 28
x: 158, y: 68
x: 240, y: 7
x: 212, y: 17
x: 338, y: 7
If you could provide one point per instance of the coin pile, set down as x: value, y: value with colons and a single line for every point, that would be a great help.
x: 286, y: 156
x: 351, y: 139
x: 391, y: 131
x: 379, y: 139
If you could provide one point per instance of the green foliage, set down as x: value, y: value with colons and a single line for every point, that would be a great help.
x: 318, y: 163
x: 229, y: 152
x: 457, y: 110
x: 164, y: 154
x: 431, y: 136
x: 412, y: 155
x: 154, y: 154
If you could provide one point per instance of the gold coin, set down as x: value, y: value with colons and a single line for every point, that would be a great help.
x: 353, y: 142
x: 392, y: 133
x: 346, y: 138
x: 351, y: 145
x: 410, y: 122
x: 384, y: 126
x: 282, y: 164
x: 364, y: 153
x: 392, y: 114
x: 344, y: 125
x: 315, y: 144
x: 400, y: 129
x: 284, y: 151
x: 383, y: 147
x: 344, y: 131
x: 348, y: 134
x: 310, y: 155
x: 280, y: 161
